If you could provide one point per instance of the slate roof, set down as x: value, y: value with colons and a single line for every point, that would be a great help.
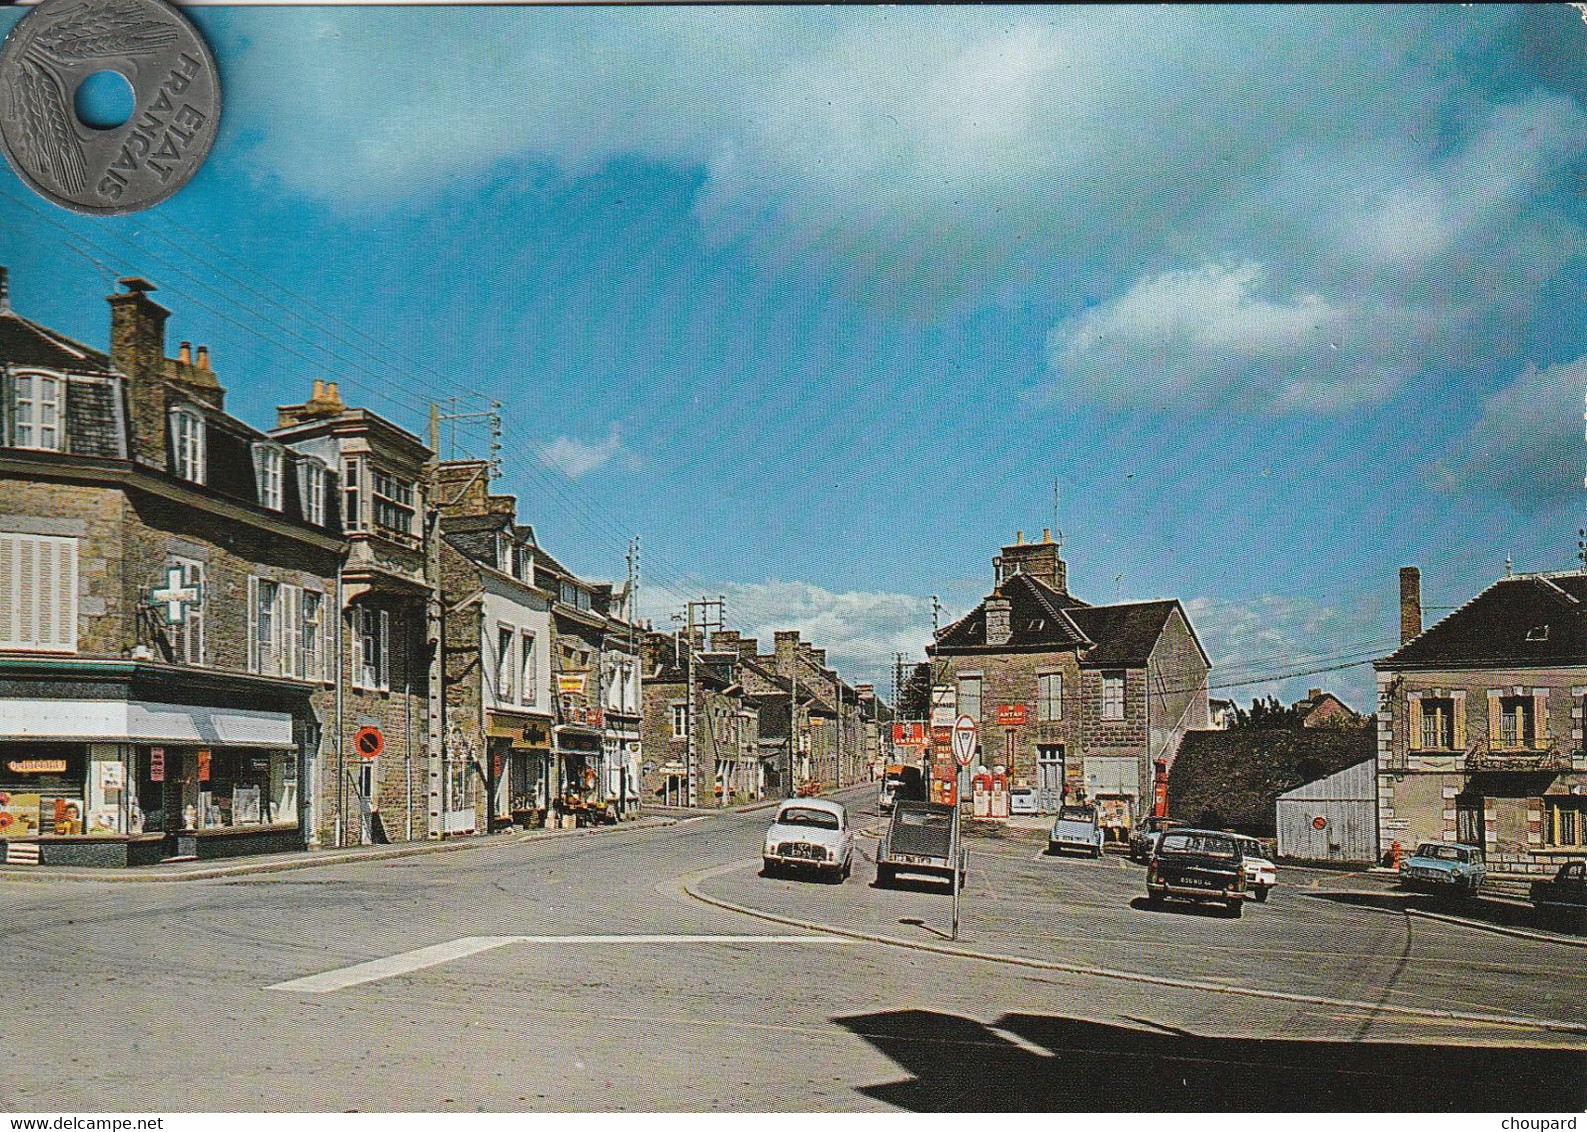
x: 1526, y: 621
x: 26, y: 343
x: 1232, y: 779
x: 1043, y: 618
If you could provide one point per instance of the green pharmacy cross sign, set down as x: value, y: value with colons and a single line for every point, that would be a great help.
x: 175, y: 596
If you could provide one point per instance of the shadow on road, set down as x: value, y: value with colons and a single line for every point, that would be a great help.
x: 1498, y: 912
x: 1181, y: 908
x: 917, y: 884
x: 957, y: 1064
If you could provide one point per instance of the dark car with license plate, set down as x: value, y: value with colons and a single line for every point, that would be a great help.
x: 1202, y: 865
x: 922, y: 838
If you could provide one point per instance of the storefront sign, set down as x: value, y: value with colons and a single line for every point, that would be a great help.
x: 156, y: 764
x: 944, y: 705
x: 1010, y: 715
x: 570, y: 683
x: 36, y: 766
x: 203, y: 765
x: 909, y: 734
x: 112, y: 776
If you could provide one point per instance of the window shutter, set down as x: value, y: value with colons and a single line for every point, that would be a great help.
x: 356, y: 618
x: 253, y: 623
x: 1413, y: 712
x: 1540, y: 721
x: 291, y: 631
x: 1460, y: 723
x: 383, y: 677
x: 1495, y: 734
x: 10, y: 598
x: 66, y: 594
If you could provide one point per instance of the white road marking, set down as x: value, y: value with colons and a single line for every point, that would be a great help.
x: 1022, y: 1042
x: 409, y: 961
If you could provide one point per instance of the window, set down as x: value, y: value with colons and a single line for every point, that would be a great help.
x: 264, y: 617
x: 680, y: 721
x: 314, y: 651
x: 505, y: 635
x: 371, y: 648
x: 187, y: 444
x: 1113, y: 695
x: 528, y: 687
x: 38, y: 411
x: 1438, y: 724
x: 1565, y: 822
x: 311, y: 490
x: 1050, y: 696
x: 352, y: 495
x: 267, y: 475
x: 393, y: 503
x: 38, y: 592
x: 970, y: 696
x: 1517, y: 722
x: 187, y: 638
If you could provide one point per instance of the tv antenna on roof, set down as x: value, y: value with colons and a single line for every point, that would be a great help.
x: 1058, y: 535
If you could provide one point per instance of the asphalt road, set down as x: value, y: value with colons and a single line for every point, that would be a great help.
x: 580, y: 974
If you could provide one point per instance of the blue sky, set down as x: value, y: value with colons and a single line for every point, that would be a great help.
x: 820, y: 302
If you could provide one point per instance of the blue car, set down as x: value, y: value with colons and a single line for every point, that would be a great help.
x: 1451, y: 870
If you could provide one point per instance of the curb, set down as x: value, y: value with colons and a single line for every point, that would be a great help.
x: 320, y: 859
x: 1127, y: 976
x: 1497, y: 929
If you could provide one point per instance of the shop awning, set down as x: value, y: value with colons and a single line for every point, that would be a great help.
x: 139, y: 721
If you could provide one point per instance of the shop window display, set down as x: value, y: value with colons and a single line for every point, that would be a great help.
x: 41, y: 791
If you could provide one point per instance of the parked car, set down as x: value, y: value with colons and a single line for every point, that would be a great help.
x: 1563, y: 896
x: 1261, y: 874
x: 1199, y: 865
x: 1077, y: 828
x: 1022, y: 800
x: 1143, y: 838
x: 1443, y: 868
x: 810, y: 834
x: 922, y: 838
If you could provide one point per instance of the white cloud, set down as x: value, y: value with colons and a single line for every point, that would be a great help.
x: 1527, y: 447
x: 576, y: 458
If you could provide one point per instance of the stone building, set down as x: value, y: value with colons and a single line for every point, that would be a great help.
x: 499, y: 698
x: 701, y: 725
x: 167, y: 604
x: 380, y: 472
x: 1480, y: 723
x: 1071, y: 698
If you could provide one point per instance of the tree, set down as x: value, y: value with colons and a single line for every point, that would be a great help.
x: 914, y: 699
x: 1269, y: 715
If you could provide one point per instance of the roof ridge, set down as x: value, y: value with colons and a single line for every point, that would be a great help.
x: 59, y: 341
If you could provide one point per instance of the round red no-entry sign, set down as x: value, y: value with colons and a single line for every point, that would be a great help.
x: 369, y: 742
x: 1319, y: 822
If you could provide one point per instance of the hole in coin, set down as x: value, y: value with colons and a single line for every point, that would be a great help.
x: 105, y: 100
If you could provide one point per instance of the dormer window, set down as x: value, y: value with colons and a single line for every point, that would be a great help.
x: 39, y: 401
x: 267, y: 461
x: 1537, y: 633
x: 187, y: 444
x: 311, y: 489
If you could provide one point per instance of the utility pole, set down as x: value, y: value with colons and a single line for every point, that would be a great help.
x: 706, y: 622
x: 793, y: 726
x: 435, y: 696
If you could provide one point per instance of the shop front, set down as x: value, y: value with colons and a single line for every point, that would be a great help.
x: 579, y: 761
x: 520, y: 748
x: 123, y: 782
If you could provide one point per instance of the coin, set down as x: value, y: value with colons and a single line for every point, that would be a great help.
x: 137, y: 164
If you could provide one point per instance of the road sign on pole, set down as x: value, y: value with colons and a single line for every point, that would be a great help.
x: 964, y: 740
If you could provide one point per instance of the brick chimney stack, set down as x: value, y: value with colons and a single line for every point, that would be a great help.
x: 137, y: 349
x: 5, y: 290
x: 1410, y: 603
x: 999, y: 620
x: 1038, y: 559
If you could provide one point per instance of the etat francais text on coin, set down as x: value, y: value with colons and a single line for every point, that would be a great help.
x: 156, y: 151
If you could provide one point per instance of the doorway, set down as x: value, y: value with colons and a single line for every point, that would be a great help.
x: 1049, y: 778
x: 366, y: 803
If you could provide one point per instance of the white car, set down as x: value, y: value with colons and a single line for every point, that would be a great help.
x: 1022, y: 800
x: 1261, y: 874
x: 810, y: 834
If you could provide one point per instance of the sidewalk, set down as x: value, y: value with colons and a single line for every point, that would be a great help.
x: 309, y: 858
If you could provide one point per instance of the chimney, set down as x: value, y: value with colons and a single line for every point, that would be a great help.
x: 999, y: 620
x: 1314, y: 693
x: 137, y: 349
x: 1038, y: 559
x: 724, y: 640
x: 748, y: 648
x: 203, y: 357
x: 1410, y: 603
x: 184, y: 353
x: 5, y: 290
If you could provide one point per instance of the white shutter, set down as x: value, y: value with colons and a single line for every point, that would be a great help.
x: 327, y: 640
x: 38, y: 592
x: 291, y: 631
x: 383, y: 677
x: 253, y: 623
x: 356, y: 639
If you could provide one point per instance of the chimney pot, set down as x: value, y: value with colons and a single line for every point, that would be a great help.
x: 184, y: 353
x: 1019, y: 538
x: 331, y: 393
x: 1314, y: 693
x: 319, y: 390
x: 1046, y: 534
x: 1410, y: 603
x: 5, y: 290
x: 203, y: 357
